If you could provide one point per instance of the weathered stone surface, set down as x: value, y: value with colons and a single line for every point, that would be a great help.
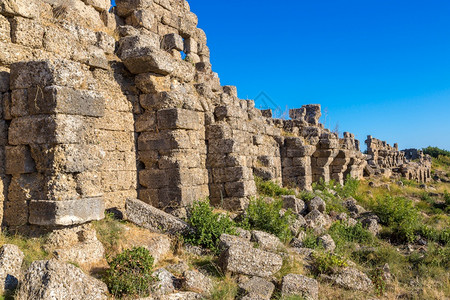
x: 166, y: 283
x: 257, y: 288
x: 195, y: 281
x: 154, y: 219
x: 19, y: 160
x: 27, y: 9
x: 316, y: 219
x: 51, y: 279
x: 11, y: 259
x: 150, y: 83
x: 352, y: 279
x: 147, y: 59
x: 294, y: 284
x: 126, y: 7
x: 71, y: 212
x: 241, y: 259
x: 266, y: 241
x: 77, y: 244
x: 317, y: 204
x: 327, y: 242
x: 183, y: 296
x: 26, y: 32
x: 5, y: 30
x: 172, y: 41
x: 293, y: 203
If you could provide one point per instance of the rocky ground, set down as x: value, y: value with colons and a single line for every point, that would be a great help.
x: 383, y: 239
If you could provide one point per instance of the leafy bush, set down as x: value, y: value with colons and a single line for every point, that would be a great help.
x: 130, y: 273
x: 342, y: 234
x: 310, y: 240
x: 271, y: 189
x: 109, y: 231
x: 447, y: 198
x: 265, y: 216
x: 209, y: 226
x: 435, y: 152
x: 399, y: 214
x: 327, y: 263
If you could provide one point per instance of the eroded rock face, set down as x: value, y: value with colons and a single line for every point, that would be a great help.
x: 11, y: 259
x: 51, y: 279
x: 352, y: 279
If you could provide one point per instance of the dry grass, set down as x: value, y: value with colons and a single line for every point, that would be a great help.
x: 33, y: 248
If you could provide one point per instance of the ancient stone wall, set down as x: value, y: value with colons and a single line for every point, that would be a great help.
x: 99, y: 107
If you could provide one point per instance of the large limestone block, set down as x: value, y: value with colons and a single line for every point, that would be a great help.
x: 241, y: 258
x: 70, y: 212
x: 5, y: 30
x: 154, y: 219
x: 137, y: 40
x: 54, y: 280
x: 294, y: 284
x: 12, y: 53
x: 178, y: 118
x: 19, y: 160
x: 11, y: 259
x: 126, y: 7
x: 352, y: 279
x: 100, y: 5
x: 147, y: 59
x: 64, y: 100
x: 26, y: 32
x: 46, y: 73
x: 257, y: 288
x: 26, y: 9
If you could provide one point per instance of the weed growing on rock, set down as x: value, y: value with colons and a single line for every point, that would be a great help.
x: 209, y: 226
x: 265, y: 216
x: 343, y: 234
x: 327, y: 262
x: 271, y: 189
x: 130, y: 273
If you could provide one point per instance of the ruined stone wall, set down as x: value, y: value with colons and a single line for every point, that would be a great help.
x: 386, y: 160
x: 99, y: 107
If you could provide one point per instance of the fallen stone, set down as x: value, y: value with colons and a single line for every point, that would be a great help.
x: 52, y: 279
x: 242, y: 258
x: 327, y: 242
x: 352, y: 279
x: 257, y: 288
x: 11, y: 259
x: 317, y: 204
x: 183, y: 296
x: 154, y: 219
x: 195, y: 281
x: 316, y: 219
x: 293, y: 203
x: 266, y: 241
x: 294, y: 284
x: 166, y: 282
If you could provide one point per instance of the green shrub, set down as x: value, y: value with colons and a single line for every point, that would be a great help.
x: 271, y: 189
x: 265, y: 216
x: 447, y: 198
x: 343, y: 234
x: 209, y: 226
x: 310, y: 240
x: 378, y: 281
x: 435, y: 152
x: 399, y: 214
x: 130, y: 273
x: 350, y: 188
x: 327, y: 263
x: 109, y: 231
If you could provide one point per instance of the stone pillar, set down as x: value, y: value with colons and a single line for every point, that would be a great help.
x: 53, y: 153
x: 296, y: 163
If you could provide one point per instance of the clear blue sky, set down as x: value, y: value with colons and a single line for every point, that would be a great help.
x: 379, y: 67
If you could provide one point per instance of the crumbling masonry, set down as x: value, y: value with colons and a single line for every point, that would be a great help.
x: 99, y: 107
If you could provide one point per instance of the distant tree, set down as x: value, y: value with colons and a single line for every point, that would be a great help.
x: 435, y: 152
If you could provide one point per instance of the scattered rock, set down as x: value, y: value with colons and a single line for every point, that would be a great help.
x: 166, y: 284
x: 241, y: 258
x: 52, y: 279
x: 293, y: 203
x: 317, y: 204
x: 257, y: 288
x: 245, y: 234
x: 352, y: 279
x: 77, y: 244
x: 371, y: 225
x: 178, y: 268
x: 266, y: 241
x: 327, y: 242
x: 158, y: 245
x: 316, y: 219
x: 195, y: 281
x: 294, y: 284
x: 183, y: 296
x: 154, y: 219
x: 11, y: 259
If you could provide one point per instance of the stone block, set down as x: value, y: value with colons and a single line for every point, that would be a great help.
x: 143, y: 18
x: 150, y: 83
x: 126, y: 7
x: 11, y: 259
x: 5, y: 30
x: 15, y: 213
x: 293, y: 203
x: 178, y: 118
x: 26, y: 9
x: 64, y: 100
x: 146, y: 122
x: 46, y: 73
x: 257, y: 288
x: 64, y: 213
x: 147, y: 59
x: 241, y: 258
x: 100, y: 5
x: 105, y: 42
x: 299, y: 285
x: 231, y: 174
x: 11, y: 53
x: 138, y: 41
x: 154, y: 219
x: 173, y: 41
x: 19, y: 103
x: 240, y: 188
x: 19, y: 160
x: 26, y: 32
x: 266, y: 241
x: 4, y: 80
x: 59, y: 129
